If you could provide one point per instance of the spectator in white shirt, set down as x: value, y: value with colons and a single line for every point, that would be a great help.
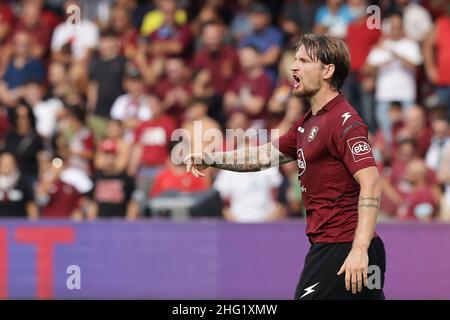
x: 45, y: 110
x: 78, y: 39
x: 251, y: 195
x: 133, y: 107
x: 416, y: 19
x: 395, y: 60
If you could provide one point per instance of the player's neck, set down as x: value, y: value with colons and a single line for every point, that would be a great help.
x: 321, y: 98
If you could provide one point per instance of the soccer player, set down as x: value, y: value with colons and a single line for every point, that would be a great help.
x: 337, y: 174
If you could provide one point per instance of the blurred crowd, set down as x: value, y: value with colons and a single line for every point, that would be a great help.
x: 89, y: 99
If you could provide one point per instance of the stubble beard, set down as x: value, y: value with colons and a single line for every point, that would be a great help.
x: 305, y: 92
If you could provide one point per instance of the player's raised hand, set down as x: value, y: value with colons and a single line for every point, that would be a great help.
x: 195, y: 162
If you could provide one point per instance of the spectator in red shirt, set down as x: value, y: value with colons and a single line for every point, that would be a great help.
x: 436, y: 51
x: 115, y: 132
x: 152, y: 138
x: 407, y: 151
x: 394, y: 184
x: 360, y: 40
x: 121, y: 23
x: 6, y: 20
x: 151, y: 148
x: 175, y: 89
x: 30, y: 20
x: 219, y: 59
x: 175, y: 178
x: 207, y: 13
x: 4, y: 125
x: 416, y: 127
x: 61, y: 191
x: 421, y: 201
x: 251, y: 89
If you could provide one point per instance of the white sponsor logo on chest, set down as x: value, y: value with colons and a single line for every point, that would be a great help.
x: 301, y: 161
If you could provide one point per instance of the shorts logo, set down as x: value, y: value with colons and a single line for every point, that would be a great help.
x: 301, y: 162
x: 313, y: 133
x: 360, y: 148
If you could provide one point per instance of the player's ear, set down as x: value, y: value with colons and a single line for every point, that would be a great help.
x: 328, y: 71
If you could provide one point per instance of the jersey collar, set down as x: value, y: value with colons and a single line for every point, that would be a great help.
x: 330, y: 104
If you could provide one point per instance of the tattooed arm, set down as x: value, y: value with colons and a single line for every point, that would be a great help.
x: 368, y: 205
x: 241, y: 160
x: 357, y: 263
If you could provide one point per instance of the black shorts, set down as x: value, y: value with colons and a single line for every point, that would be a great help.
x: 319, y: 279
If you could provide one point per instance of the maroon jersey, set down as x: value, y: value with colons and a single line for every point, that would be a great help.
x: 222, y: 65
x: 329, y: 147
x: 419, y: 204
x: 64, y: 199
x: 154, y: 136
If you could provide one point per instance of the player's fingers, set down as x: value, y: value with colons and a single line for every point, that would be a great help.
x: 365, y: 276
x: 347, y: 279
x: 188, y: 167
x: 201, y: 174
x: 359, y: 279
x: 195, y: 171
x: 354, y: 281
x: 341, y: 270
x: 187, y: 159
x: 188, y: 162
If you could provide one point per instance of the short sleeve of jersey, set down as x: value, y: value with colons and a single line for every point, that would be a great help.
x: 351, y: 145
x: 287, y: 143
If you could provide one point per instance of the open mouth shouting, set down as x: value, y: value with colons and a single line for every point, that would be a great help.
x: 297, y: 80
